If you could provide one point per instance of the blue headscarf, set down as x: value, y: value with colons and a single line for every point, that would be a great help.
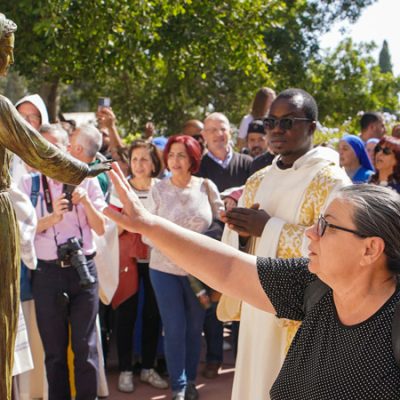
x: 358, y: 146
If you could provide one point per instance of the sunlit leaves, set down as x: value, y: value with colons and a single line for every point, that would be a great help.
x: 170, y: 60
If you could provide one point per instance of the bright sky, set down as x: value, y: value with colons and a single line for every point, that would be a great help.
x: 378, y: 22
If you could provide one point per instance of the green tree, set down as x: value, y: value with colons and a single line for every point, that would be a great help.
x: 207, y: 57
x: 169, y: 60
x: 155, y: 57
x: 346, y: 81
x: 292, y: 41
x: 14, y: 86
x: 385, y: 62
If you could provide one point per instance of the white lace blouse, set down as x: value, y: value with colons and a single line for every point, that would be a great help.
x: 193, y: 207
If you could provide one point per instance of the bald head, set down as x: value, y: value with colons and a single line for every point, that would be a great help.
x: 192, y: 127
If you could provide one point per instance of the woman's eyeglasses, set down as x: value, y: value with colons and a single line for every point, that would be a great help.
x: 385, y: 150
x: 322, y: 224
x: 284, y: 123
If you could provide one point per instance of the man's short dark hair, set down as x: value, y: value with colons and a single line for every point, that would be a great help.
x: 369, y: 118
x: 310, y: 107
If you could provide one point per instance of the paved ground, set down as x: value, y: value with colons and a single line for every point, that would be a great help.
x: 209, y: 389
x: 215, y: 389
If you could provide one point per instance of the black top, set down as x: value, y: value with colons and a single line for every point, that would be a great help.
x: 261, y: 161
x: 234, y: 175
x: 328, y: 360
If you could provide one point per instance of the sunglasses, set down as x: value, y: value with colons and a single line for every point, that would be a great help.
x: 322, y: 224
x: 385, y: 150
x: 283, y: 123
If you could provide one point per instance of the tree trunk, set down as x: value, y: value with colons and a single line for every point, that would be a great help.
x: 51, y: 96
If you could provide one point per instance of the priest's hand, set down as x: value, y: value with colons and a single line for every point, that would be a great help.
x: 247, y: 221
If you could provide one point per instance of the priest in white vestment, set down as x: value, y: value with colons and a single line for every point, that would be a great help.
x: 291, y: 193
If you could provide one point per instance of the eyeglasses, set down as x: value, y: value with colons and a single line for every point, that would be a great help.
x: 284, y: 123
x: 31, y: 117
x: 322, y: 224
x: 385, y: 150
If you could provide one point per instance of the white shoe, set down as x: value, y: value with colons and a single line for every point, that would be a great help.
x: 151, y: 377
x: 125, y: 382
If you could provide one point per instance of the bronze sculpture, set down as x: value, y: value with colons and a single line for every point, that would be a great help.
x: 16, y: 136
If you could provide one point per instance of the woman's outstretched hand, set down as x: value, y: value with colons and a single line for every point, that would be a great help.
x: 134, y: 214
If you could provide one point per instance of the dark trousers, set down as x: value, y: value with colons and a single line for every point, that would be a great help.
x: 125, y: 322
x: 214, y: 335
x: 60, y: 302
x: 106, y: 317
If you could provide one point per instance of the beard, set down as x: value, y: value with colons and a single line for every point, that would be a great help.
x: 256, y: 151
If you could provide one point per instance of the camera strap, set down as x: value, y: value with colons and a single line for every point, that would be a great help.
x: 50, y: 209
x: 47, y: 195
x: 49, y: 202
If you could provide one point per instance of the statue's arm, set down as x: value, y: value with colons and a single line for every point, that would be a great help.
x: 19, y: 137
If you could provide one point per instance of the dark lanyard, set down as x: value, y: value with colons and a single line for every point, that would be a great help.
x: 50, y: 209
x: 47, y: 195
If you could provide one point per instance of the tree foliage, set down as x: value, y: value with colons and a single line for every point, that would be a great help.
x: 293, y: 39
x: 13, y: 86
x: 169, y: 60
x: 385, y: 62
x: 348, y: 80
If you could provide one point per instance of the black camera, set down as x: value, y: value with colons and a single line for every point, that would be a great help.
x: 71, y: 253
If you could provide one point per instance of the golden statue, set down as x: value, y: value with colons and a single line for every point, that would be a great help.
x: 17, y: 136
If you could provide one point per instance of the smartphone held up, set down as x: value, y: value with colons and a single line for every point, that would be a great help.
x: 68, y: 190
x: 103, y: 102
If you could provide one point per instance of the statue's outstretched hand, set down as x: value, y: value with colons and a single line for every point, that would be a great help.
x: 134, y: 215
x: 100, y: 167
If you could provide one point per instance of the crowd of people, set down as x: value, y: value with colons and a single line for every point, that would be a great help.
x: 197, y: 180
x: 272, y: 199
x: 317, y: 327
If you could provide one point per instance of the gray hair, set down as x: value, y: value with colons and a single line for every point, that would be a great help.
x: 217, y: 116
x: 57, y: 131
x: 6, y: 26
x: 377, y: 213
x: 90, y: 138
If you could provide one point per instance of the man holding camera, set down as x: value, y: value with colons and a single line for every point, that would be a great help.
x: 65, y: 285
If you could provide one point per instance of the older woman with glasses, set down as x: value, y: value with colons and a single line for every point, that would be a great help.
x: 343, y: 349
x: 387, y: 163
